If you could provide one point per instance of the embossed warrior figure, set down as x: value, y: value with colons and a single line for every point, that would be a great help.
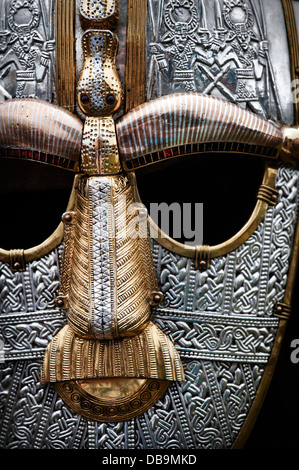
x: 4, y: 38
x: 29, y: 52
x: 174, y: 53
x: 250, y: 61
x: 211, y: 54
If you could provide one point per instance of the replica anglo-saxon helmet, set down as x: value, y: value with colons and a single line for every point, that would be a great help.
x: 114, y: 333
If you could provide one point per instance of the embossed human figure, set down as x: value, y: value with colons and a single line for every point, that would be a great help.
x: 174, y: 52
x: 173, y: 62
x: 250, y: 61
x: 33, y: 61
x: 29, y: 51
x: 251, y: 65
x: 3, y: 41
x: 210, y: 58
x: 203, y: 57
x: 207, y: 70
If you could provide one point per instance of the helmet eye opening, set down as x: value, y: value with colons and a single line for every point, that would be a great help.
x: 225, y: 185
x: 34, y: 196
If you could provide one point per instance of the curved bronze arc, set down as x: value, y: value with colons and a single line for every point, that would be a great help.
x: 46, y: 130
x: 165, y: 127
x: 50, y: 133
x: 227, y: 246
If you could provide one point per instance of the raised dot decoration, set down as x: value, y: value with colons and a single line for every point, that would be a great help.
x: 99, y: 13
x: 99, y: 88
x: 101, y: 409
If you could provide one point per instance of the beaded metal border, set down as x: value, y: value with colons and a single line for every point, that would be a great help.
x: 111, y: 410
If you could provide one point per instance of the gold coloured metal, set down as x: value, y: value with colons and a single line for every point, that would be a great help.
x: 17, y: 262
x: 99, y: 147
x: 290, y: 147
x: 292, y: 34
x: 149, y: 354
x: 108, y: 283
x: 99, y: 90
x: 126, y: 403
x: 65, y: 53
x: 132, y: 346
x: 105, y: 387
x: 282, y: 310
x: 202, y: 257
x: 113, y: 364
x: 131, y: 266
x: 102, y: 14
x: 135, y: 54
x: 268, y: 194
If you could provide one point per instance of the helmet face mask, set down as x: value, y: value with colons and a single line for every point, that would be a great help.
x: 123, y: 322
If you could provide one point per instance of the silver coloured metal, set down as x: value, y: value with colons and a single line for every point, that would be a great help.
x: 27, y: 55
x: 223, y: 48
x: 29, y: 316
x: 103, y: 317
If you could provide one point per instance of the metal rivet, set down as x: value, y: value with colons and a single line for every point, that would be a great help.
x: 274, y: 197
x: 17, y: 265
x: 142, y: 214
x: 157, y: 297
x: 59, y: 302
x: 67, y: 217
x: 202, y: 264
x: 279, y: 308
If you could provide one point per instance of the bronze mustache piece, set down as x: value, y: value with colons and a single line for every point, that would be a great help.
x: 180, y: 124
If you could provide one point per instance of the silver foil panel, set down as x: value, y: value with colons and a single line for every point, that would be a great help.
x: 233, y: 50
x: 103, y: 314
x: 219, y: 337
x: 29, y: 318
x: 247, y: 282
x: 27, y: 49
